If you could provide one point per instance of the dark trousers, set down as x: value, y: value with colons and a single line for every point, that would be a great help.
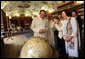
x: 61, y: 47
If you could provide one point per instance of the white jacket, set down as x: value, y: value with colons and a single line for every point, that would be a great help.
x: 37, y: 24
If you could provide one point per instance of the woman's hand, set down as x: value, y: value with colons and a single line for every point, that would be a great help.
x: 69, y: 38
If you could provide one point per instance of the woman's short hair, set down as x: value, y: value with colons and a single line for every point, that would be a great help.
x: 68, y: 13
x: 74, y: 11
x: 55, y: 17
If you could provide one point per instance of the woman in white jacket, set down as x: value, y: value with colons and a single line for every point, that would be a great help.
x: 71, y: 34
x: 61, y: 43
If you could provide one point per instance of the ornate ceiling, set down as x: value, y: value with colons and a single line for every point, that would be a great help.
x: 27, y: 8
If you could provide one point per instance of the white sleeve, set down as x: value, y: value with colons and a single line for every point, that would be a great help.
x: 58, y: 27
x: 33, y: 26
x: 74, y: 27
x: 64, y: 29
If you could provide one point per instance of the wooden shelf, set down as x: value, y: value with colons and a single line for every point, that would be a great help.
x: 65, y: 6
x: 17, y: 20
x: 81, y: 14
x: 81, y: 9
x: 82, y: 17
x: 71, y: 2
x: 3, y: 20
x: 83, y: 25
x: 76, y: 7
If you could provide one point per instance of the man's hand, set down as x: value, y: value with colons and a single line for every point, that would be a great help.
x: 42, y: 31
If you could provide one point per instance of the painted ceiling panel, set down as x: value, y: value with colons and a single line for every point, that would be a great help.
x: 27, y: 7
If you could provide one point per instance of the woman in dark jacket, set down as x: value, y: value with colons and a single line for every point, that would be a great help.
x: 79, y: 20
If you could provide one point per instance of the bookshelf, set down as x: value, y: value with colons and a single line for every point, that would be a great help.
x: 72, y: 6
x: 3, y: 21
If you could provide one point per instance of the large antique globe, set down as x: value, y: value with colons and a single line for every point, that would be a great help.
x: 36, y: 47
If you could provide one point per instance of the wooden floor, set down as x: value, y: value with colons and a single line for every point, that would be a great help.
x: 12, y: 48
